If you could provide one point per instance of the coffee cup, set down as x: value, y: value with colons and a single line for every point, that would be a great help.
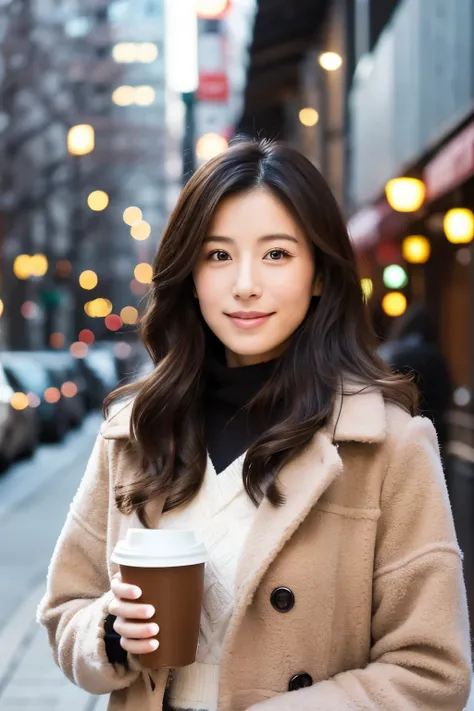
x: 168, y: 567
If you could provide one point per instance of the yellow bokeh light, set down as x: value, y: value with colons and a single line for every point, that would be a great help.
x: 146, y: 52
x: 19, y: 401
x: 88, y: 279
x: 81, y: 139
x: 143, y: 273
x: 98, y: 200
x: 129, y: 315
x: 144, y: 95
x: 367, y: 287
x: 141, y: 230
x: 2, y: 308
x: 210, y: 145
x: 38, y: 265
x: 416, y: 249
x: 98, y: 308
x: 309, y: 117
x: 405, y: 194
x: 394, y: 303
x: 330, y: 61
x: 458, y: 225
x: 132, y: 215
x: 124, y: 95
x: 124, y: 52
x: 21, y: 266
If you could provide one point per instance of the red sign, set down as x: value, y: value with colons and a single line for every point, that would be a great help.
x: 452, y: 165
x: 213, y: 86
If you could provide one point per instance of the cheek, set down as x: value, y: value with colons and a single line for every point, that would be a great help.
x: 292, y: 289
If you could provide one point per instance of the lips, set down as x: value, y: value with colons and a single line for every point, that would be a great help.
x: 249, y: 319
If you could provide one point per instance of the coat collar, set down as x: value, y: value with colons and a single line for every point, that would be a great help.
x: 358, y: 416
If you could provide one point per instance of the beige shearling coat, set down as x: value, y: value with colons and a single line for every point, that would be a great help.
x: 366, y: 543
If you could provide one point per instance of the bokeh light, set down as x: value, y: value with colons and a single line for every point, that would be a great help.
x: 141, y: 230
x: 98, y: 308
x: 394, y: 303
x: 2, y: 308
x: 144, y: 95
x: 416, y: 249
x: 69, y: 389
x: 38, y: 265
x: 86, y: 336
x: 458, y: 225
x: 330, y: 61
x: 63, y: 268
x: 34, y: 400
x: 122, y: 350
x: 113, y: 322
x: 78, y: 349
x: 52, y: 395
x: 210, y: 145
x: 98, y: 200
x: 21, y: 266
x: 88, y: 280
x: 57, y: 340
x: 129, y: 315
x: 132, y: 215
x: 367, y: 287
x: 29, y: 310
x: 19, y: 401
x: 405, y: 194
x: 124, y: 95
x: 309, y: 117
x: 395, y: 277
x: 143, y: 273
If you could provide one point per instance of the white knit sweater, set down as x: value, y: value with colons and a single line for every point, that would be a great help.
x: 222, y: 514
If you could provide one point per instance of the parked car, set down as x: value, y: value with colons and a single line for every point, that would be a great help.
x: 28, y: 375
x: 63, y: 368
x: 19, y: 432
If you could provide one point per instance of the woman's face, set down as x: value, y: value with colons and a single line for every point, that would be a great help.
x: 255, y: 277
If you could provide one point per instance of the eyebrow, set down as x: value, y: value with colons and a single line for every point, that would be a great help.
x: 264, y: 238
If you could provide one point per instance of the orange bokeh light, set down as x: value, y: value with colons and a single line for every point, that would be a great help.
x: 19, y: 401
x: 52, y: 395
x: 57, y: 340
x: 69, y: 389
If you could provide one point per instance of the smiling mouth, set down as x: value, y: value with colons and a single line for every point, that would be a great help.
x: 250, y: 320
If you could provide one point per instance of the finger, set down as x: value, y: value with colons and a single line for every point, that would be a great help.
x: 131, y: 610
x: 124, y: 590
x: 136, y: 646
x: 133, y: 630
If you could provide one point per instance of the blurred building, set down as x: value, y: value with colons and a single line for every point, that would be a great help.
x: 375, y: 91
x: 94, y: 65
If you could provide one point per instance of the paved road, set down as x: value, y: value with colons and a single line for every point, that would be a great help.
x: 34, y: 500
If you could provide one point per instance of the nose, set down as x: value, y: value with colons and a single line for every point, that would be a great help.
x: 247, y: 282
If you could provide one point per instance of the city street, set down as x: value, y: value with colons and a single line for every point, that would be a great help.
x: 34, y: 499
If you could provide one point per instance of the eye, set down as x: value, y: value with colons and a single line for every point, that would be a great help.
x: 218, y: 255
x: 276, y: 255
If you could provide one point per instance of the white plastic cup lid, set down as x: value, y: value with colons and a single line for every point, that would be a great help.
x: 156, y: 548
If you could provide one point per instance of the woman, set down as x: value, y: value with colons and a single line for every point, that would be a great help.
x: 270, y: 427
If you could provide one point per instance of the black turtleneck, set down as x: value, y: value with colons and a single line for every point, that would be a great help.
x: 230, y: 427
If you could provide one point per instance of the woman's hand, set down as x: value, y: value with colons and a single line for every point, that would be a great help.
x: 135, y: 636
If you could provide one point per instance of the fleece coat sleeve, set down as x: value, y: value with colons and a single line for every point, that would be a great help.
x: 420, y: 656
x: 75, y: 605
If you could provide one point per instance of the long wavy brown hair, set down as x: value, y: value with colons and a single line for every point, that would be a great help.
x: 335, y: 338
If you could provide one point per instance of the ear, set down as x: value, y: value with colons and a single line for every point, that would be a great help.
x: 318, y: 286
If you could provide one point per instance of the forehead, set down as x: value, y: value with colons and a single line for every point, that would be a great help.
x: 255, y: 213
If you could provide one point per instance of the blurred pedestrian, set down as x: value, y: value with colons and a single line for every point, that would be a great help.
x: 412, y: 348
x: 271, y: 428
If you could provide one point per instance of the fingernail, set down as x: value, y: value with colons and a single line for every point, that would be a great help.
x: 136, y: 592
x: 150, y: 611
x: 154, y: 629
x: 154, y: 643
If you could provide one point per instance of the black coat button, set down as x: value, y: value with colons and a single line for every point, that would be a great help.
x: 282, y: 599
x: 300, y: 681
